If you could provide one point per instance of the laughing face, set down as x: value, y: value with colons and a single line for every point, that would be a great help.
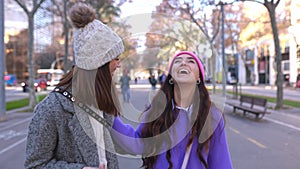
x: 185, y: 69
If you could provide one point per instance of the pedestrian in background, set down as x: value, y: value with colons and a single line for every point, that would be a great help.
x: 153, y: 82
x: 135, y: 80
x: 162, y: 78
x: 181, y: 128
x: 125, y: 86
x: 63, y: 132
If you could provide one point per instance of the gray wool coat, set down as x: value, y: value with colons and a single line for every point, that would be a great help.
x: 58, y: 140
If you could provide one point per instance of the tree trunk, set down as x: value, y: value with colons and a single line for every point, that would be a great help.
x: 213, y: 64
x: 2, y: 64
x: 279, y: 78
x: 31, y: 70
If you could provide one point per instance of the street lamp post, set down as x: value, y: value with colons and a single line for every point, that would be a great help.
x: 224, y: 77
x: 223, y: 52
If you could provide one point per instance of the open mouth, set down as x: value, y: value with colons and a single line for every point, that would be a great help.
x: 183, y: 71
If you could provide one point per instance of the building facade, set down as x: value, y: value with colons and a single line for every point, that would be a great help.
x: 257, y: 63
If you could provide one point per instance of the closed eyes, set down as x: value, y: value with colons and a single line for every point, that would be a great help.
x: 189, y: 60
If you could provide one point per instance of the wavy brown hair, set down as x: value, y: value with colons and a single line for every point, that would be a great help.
x: 102, y: 88
x: 167, y: 118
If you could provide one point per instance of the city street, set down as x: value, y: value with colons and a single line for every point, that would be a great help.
x: 248, y: 47
x: 16, y: 92
x: 266, y: 144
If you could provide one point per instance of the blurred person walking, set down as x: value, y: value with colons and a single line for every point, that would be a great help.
x: 162, y: 78
x: 153, y: 82
x: 125, y: 87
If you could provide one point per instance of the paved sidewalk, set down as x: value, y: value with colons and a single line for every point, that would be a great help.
x: 289, y: 93
x: 15, y: 113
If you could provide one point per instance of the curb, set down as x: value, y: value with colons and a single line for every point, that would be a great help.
x: 17, y: 110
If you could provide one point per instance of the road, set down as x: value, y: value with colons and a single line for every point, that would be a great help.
x: 266, y: 144
x: 13, y: 93
x: 16, y: 92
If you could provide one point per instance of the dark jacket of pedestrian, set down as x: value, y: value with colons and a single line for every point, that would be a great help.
x: 152, y: 81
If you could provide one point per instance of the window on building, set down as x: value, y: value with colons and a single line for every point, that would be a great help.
x: 286, y: 66
x: 287, y: 47
x: 262, y: 51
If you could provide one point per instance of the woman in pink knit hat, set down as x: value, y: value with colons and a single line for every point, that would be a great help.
x: 181, y: 128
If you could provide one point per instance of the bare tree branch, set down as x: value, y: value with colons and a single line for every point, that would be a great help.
x: 23, y: 6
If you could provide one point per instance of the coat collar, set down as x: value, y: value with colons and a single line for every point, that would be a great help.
x: 80, y: 129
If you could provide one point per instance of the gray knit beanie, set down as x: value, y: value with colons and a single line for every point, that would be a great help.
x: 95, y: 44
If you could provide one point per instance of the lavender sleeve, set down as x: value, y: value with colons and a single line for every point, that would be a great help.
x: 127, y: 137
x: 219, y: 156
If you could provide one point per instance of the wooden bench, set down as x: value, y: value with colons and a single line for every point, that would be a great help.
x: 251, y: 104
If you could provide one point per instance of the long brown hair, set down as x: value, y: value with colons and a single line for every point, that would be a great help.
x: 101, y: 88
x: 167, y: 118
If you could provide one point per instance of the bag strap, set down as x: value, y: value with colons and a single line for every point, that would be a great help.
x: 186, y: 156
x: 84, y: 107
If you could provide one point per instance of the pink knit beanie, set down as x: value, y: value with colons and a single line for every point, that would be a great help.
x: 200, y: 65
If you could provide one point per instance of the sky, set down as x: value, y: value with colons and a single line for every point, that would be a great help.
x: 138, y: 7
x: 138, y: 15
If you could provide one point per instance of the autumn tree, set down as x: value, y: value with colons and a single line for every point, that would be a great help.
x: 208, y: 24
x: 271, y: 8
x: 170, y: 31
x: 128, y: 57
x: 30, y: 8
x: 16, y: 58
x: 105, y: 11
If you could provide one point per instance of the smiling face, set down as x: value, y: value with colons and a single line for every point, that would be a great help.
x: 185, y: 69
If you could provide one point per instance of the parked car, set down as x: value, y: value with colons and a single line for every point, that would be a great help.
x: 39, y: 85
x: 10, y: 79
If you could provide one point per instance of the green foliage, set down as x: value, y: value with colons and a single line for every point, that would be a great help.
x: 21, y: 103
x: 17, y: 104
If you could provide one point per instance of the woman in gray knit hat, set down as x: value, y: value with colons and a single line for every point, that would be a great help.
x: 70, y: 126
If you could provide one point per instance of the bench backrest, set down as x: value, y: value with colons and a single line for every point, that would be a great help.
x: 260, y: 102
x: 253, y: 101
x: 245, y: 99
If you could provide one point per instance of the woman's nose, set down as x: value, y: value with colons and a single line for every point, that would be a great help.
x: 183, y: 62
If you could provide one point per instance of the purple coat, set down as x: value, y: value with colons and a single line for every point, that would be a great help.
x: 217, y: 156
